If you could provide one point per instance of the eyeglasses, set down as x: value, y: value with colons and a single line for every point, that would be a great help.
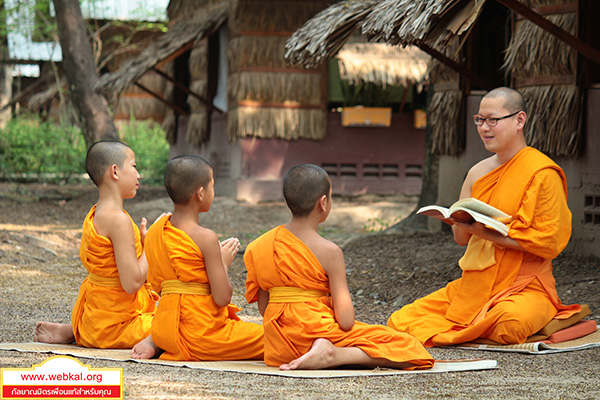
x: 491, y: 121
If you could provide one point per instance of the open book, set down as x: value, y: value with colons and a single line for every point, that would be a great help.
x: 469, y: 210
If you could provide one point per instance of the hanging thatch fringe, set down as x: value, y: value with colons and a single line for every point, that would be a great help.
x: 533, y: 52
x: 382, y: 64
x: 168, y: 125
x: 554, y: 112
x: 256, y: 51
x: 150, y: 80
x: 139, y: 108
x: 553, y: 119
x: 198, y: 62
x: 447, y: 131
x: 274, y: 87
x: 197, y: 132
x: 322, y: 36
x: 199, y: 87
x: 283, y: 123
x: 272, y: 16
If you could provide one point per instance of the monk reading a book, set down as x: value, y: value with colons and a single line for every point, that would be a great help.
x: 115, y: 305
x: 507, y: 290
x: 194, y: 319
x: 299, y: 281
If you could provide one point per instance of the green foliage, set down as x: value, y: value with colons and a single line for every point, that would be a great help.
x: 147, y: 139
x: 31, y: 148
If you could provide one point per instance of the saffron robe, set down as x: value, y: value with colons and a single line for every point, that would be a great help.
x: 280, y: 259
x: 514, y: 295
x: 105, y: 315
x: 192, y: 326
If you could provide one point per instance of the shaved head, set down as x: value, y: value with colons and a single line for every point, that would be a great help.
x: 303, y: 186
x: 184, y: 175
x: 513, y: 100
x: 101, y: 155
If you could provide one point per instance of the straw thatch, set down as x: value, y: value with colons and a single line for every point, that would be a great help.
x: 382, y: 64
x: 198, y: 123
x: 179, y: 9
x: 246, y: 52
x: 534, y: 52
x: 276, y: 16
x: 554, y: 111
x: 268, y: 98
x: 192, y: 29
x: 398, y: 22
x: 321, y: 37
x: 269, y: 123
x: 275, y: 87
x: 411, y: 22
x: 447, y: 124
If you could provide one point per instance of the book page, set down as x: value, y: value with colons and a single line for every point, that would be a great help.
x: 480, y: 207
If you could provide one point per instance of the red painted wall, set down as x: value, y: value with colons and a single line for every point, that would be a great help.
x: 358, y: 159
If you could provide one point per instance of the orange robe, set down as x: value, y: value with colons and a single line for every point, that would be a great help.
x: 193, y: 326
x: 280, y: 259
x: 514, y: 295
x: 104, y: 315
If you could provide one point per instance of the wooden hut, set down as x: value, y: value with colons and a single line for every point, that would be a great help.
x: 237, y: 101
x: 547, y: 49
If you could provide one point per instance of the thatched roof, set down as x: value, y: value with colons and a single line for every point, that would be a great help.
x: 382, y: 64
x: 401, y: 22
x: 184, y: 33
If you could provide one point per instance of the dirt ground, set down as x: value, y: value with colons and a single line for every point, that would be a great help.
x: 40, y: 274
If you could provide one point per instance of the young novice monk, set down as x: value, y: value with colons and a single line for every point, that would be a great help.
x: 115, y: 306
x: 194, y: 319
x: 299, y: 281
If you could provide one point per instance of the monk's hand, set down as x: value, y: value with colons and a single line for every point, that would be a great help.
x: 162, y: 215
x: 143, y: 229
x: 473, y: 228
x: 229, y: 249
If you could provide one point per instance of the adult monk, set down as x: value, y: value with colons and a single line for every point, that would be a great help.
x: 507, y: 291
x: 115, y: 305
x: 299, y: 281
x: 194, y: 319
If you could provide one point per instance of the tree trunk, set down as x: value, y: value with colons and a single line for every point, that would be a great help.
x: 6, y: 79
x: 429, y: 188
x: 80, y: 71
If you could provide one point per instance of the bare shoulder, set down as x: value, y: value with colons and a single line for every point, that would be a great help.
x: 482, y: 168
x: 109, y: 221
x: 327, y: 252
x: 203, y: 237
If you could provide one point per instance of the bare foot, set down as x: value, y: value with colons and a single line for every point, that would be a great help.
x: 51, y: 332
x: 229, y: 249
x: 145, y: 349
x: 321, y: 355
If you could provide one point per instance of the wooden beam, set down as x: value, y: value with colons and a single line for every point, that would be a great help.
x: 187, y: 90
x: 176, y: 54
x: 482, y: 83
x: 583, y: 48
x: 177, y: 109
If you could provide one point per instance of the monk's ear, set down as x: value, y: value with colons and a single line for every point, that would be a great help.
x: 521, y: 119
x: 200, y: 193
x: 113, y: 172
x: 322, y: 203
